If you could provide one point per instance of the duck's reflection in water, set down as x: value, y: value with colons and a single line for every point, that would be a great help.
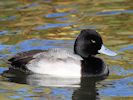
x: 85, y: 86
x: 45, y: 80
x: 87, y: 89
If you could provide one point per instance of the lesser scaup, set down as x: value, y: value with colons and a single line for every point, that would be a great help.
x: 65, y: 63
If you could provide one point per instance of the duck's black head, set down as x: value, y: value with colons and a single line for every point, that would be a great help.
x: 89, y: 42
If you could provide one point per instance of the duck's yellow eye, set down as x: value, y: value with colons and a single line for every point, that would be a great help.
x: 93, y: 41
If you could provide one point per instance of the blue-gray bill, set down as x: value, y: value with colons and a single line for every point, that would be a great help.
x: 107, y: 51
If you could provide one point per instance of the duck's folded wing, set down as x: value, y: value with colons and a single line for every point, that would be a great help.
x: 21, y: 59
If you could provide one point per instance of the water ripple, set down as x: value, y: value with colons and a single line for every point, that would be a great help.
x: 114, y: 12
x: 53, y: 15
x: 119, y: 88
x: 47, y: 26
x: 108, y: 13
x: 130, y: 36
x: 3, y: 32
x: 3, y: 69
x: 33, y: 44
x: 62, y: 19
x: 85, y: 27
x: 129, y: 47
x: 27, y: 6
x: 2, y: 47
x: 117, y: 70
x: 8, y: 18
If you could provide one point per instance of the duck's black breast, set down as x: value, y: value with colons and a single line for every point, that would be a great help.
x: 21, y: 59
x: 94, y: 66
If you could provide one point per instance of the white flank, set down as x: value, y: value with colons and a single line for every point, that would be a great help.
x: 59, y: 69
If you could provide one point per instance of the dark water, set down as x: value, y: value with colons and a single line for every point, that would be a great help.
x: 43, y: 24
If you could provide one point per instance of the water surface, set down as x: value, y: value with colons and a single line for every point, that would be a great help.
x: 43, y: 24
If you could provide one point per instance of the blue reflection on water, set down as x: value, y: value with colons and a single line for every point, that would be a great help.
x: 63, y: 92
x: 3, y: 91
x: 38, y: 90
x: 2, y: 47
x: 108, y: 13
x: 84, y: 27
x: 35, y: 44
x: 22, y: 91
x: 48, y: 1
x: 27, y: 6
x: 30, y: 99
x: 62, y: 19
x: 2, y: 69
x: 117, y: 70
x: 53, y: 15
x: 114, y: 12
x: 127, y: 11
x: 129, y: 47
x: 130, y: 36
x: 3, y: 32
x: 119, y: 88
x: 47, y: 26
x: 16, y: 97
x: 8, y: 18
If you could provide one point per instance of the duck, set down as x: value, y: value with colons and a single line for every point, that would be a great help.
x: 62, y: 62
